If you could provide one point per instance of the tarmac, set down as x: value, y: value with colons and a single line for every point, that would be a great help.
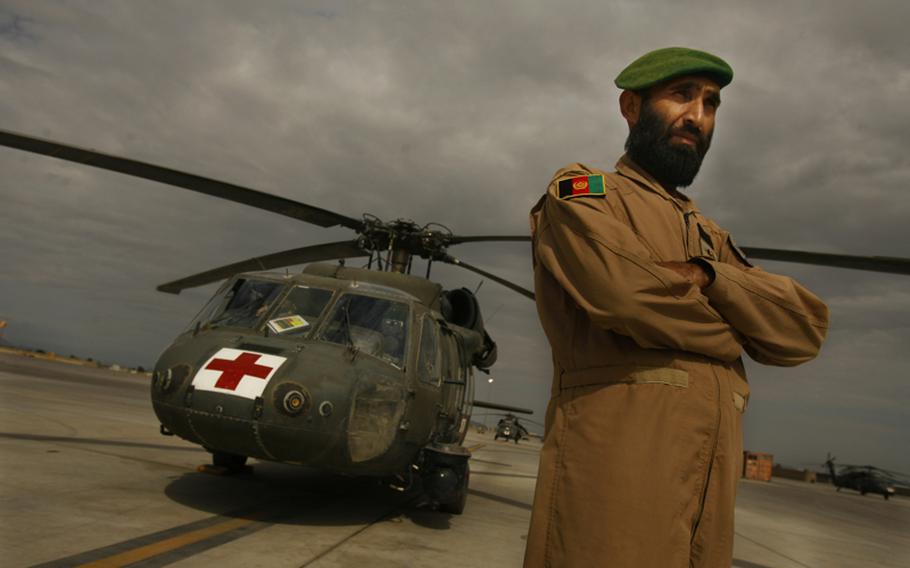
x: 87, y: 480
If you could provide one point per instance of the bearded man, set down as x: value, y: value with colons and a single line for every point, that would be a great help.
x: 648, y: 306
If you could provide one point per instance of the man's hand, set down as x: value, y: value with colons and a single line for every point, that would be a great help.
x: 692, y: 272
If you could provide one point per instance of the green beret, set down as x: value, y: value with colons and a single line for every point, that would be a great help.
x: 663, y: 64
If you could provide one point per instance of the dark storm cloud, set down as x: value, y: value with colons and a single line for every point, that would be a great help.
x: 456, y: 113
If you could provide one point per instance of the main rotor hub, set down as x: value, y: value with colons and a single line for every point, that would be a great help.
x: 404, y: 238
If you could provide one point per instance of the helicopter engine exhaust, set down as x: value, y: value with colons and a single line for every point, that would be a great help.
x: 461, y: 308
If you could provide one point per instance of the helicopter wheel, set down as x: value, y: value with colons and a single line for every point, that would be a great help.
x: 457, y: 504
x: 229, y: 461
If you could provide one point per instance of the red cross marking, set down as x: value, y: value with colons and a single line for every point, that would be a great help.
x: 233, y: 371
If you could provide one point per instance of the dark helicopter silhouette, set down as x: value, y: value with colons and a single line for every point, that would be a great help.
x: 365, y: 371
x: 509, y: 428
x: 862, y: 478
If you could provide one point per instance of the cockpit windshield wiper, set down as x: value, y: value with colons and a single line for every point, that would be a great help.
x: 346, y: 326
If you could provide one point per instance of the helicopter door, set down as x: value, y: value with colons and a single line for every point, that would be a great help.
x: 424, y: 406
x: 458, y: 387
x: 452, y: 387
x: 467, y: 400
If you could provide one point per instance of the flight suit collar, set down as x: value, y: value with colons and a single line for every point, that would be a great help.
x: 627, y: 168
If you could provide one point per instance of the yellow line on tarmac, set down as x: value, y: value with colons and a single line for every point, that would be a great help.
x: 168, y: 544
x: 476, y: 447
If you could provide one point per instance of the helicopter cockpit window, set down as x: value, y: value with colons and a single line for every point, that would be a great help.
x: 374, y: 326
x: 299, y: 311
x: 243, y: 304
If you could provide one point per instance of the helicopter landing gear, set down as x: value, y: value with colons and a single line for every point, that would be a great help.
x: 445, y: 475
x: 460, y: 498
x: 224, y: 463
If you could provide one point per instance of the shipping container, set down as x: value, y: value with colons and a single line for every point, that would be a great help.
x: 757, y: 466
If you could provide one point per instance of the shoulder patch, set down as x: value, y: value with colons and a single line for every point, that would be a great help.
x: 582, y: 186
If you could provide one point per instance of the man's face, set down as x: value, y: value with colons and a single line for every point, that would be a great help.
x: 673, y: 129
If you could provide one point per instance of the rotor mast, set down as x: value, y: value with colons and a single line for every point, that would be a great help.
x: 401, y: 260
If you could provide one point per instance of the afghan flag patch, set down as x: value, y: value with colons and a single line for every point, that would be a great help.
x: 581, y: 185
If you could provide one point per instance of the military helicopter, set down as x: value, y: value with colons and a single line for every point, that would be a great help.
x: 364, y: 371
x: 509, y: 428
x: 862, y: 478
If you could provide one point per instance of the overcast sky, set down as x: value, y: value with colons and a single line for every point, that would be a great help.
x: 458, y: 113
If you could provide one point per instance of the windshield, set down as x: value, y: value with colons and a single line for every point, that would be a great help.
x: 299, y: 311
x: 374, y: 326
x: 242, y: 304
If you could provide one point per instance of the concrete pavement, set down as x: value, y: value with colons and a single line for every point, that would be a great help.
x: 86, y: 479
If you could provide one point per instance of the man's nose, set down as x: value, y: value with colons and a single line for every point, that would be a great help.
x: 695, y: 114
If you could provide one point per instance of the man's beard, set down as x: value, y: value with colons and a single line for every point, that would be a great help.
x: 649, y: 146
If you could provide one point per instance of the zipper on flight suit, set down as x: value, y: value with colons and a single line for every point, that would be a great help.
x: 709, y: 465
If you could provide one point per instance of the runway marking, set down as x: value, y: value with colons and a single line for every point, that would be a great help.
x: 475, y: 447
x: 165, y: 547
x: 168, y: 545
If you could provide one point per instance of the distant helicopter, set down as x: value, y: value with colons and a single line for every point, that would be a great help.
x: 509, y: 428
x: 365, y: 371
x: 862, y: 478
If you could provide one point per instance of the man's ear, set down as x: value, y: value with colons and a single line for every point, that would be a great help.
x: 630, y: 106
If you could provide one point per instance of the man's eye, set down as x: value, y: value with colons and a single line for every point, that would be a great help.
x: 683, y: 94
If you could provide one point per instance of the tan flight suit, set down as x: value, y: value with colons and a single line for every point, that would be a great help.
x: 643, y: 447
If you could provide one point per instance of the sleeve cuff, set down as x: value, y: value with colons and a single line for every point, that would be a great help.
x: 707, y: 266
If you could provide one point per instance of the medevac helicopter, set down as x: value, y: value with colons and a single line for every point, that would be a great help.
x: 364, y: 371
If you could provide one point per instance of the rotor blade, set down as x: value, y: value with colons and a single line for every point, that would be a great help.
x: 452, y: 260
x: 200, y: 184
x: 494, y: 406
x: 328, y: 251
x: 458, y: 239
x: 871, y: 263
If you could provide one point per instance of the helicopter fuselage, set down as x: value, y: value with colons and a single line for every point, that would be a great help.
x: 361, y: 386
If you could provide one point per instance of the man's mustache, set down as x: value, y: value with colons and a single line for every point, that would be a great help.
x: 702, y: 142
